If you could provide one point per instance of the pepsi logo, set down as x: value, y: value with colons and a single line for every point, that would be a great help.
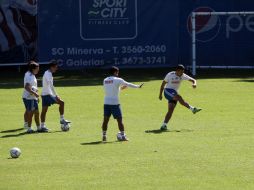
x: 207, y: 27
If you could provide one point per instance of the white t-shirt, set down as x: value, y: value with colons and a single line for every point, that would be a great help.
x: 47, y: 84
x: 29, y: 79
x: 112, y: 89
x: 174, y: 81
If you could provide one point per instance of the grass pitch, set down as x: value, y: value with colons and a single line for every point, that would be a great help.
x: 210, y: 150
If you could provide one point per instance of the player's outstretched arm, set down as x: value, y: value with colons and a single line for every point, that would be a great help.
x: 127, y: 84
x: 162, y: 88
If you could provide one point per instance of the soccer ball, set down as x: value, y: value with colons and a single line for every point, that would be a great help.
x: 65, y: 127
x: 15, y: 152
x: 34, y: 89
x: 119, y: 136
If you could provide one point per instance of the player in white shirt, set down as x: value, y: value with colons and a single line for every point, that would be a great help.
x: 50, y: 97
x: 170, y: 86
x: 112, y: 86
x: 30, y: 97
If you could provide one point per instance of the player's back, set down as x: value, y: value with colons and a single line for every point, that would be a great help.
x: 111, y: 88
x: 46, y: 80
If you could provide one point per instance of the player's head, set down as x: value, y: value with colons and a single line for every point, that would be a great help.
x: 53, y: 66
x: 180, y: 70
x: 114, y: 71
x: 33, y: 67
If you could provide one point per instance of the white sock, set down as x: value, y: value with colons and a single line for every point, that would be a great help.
x: 164, y: 124
x: 39, y: 127
x: 61, y: 117
x: 104, y: 133
x: 26, y: 124
x: 191, y: 108
x: 42, y: 124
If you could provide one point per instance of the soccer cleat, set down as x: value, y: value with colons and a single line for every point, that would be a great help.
x: 104, y: 138
x: 124, y: 138
x: 196, y: 110
x: 64, y: 122
x: 43, y: 130
x: 30, y: 130
x: 164, y: 128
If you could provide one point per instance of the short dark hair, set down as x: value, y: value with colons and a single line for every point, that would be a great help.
x: 32, y: 65
x: 53, y: 63
x: 113, y: 69
x: 180, y: 67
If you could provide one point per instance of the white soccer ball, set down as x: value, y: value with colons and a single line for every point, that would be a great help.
x: 119, y: 136
x: 34, y: 89
x: 65, y: 127
x: 15, y: 152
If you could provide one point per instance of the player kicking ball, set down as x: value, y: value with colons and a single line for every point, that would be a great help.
x: 112, y: 86
x: 50, y: 97
x: 31, y: 97
x: 170, y: 86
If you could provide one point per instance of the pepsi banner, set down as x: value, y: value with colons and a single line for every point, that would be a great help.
x: 222, y: 40
x: 101, y: 33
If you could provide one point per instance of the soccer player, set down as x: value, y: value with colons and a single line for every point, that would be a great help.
x: 36, y: 113
x: 112, y: 86
x: 30, y: 96
x: 50, y: 97
x: 170, y: 86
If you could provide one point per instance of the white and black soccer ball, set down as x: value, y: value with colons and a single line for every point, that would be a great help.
x: 15, y: 152
x: 119, y: 136
x: 34, y: 89
x: 65, y: 127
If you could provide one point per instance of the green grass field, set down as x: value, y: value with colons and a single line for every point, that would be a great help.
x: 212, y: 150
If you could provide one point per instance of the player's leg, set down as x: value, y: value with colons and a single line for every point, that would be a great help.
x: 107, y: 115
x: 43, y: 127
x: 171, y: 108
x: 25, y: 120
x: 29, y: 121
x: 117, y: 113
x: 105, y: 128
x: 185, y: 104
x: 37, y: 119
x: 60, y: 102
x: 29, y: 114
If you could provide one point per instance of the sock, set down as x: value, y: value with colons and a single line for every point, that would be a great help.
x: 191, y: 108
x: 122, y: 133
x: 26, y: 124
x: 104, y: 133
x: 164, y: 124
x: 61, y: 117
x: 42, y: 124
x: 39, y: 127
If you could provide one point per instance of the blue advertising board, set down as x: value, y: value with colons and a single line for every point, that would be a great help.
x: 143, y: 33
x: 101, y: 33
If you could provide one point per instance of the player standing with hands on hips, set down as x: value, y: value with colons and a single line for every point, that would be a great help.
x: 170, y: 86
x: 112, y: 86
x: 50, y: 97
x: 31, y: 97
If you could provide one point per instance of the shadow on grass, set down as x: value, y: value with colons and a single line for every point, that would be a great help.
x: 99, y: 143
x: 12, y: 130
x: 245, y: 80
x: 158, y: 131
x: 25, y: 133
